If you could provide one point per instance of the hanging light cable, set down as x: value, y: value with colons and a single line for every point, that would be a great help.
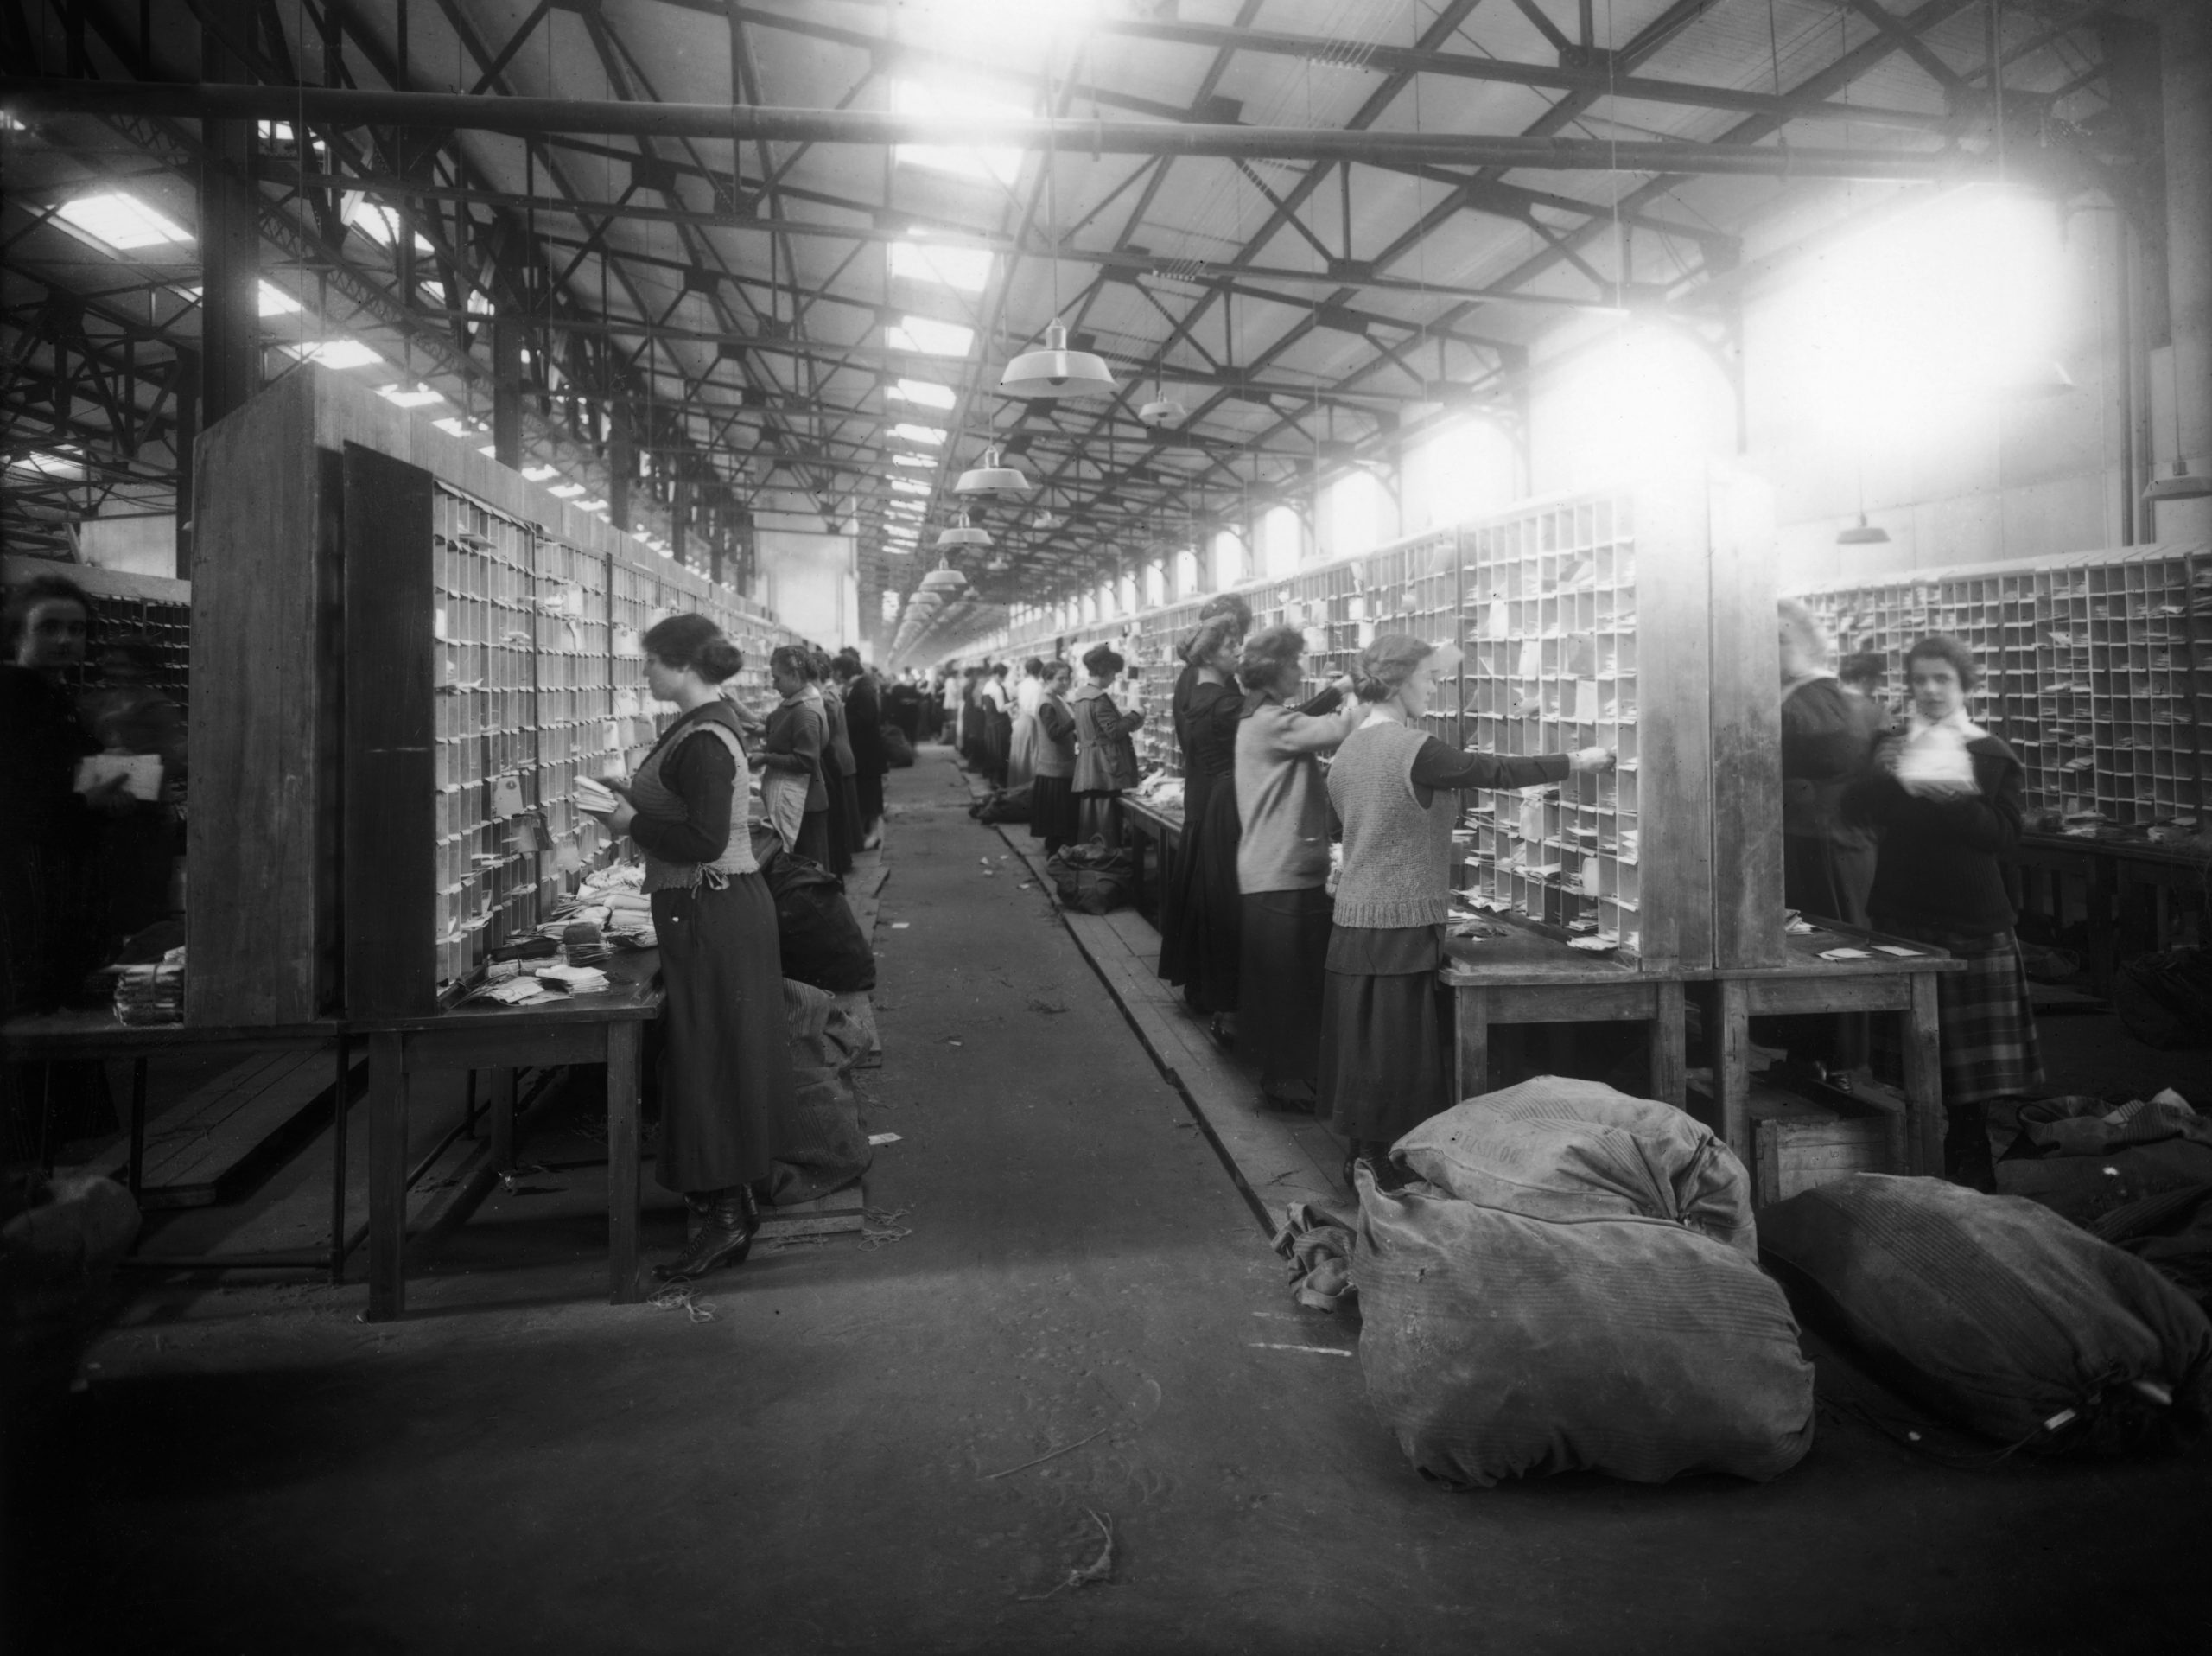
x: 1055, y: 371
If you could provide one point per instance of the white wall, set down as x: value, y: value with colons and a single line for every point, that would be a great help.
x: 138, y: 545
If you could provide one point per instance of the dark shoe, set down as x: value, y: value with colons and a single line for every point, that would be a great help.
x: 697, y: 1204
x: 1223, y: 1031
x: 725, y: 1237
x: 1967, y: 1159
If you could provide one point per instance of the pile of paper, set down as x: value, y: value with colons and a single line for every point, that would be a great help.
x: 153, y: 993
x: 577, y: 980
x: 592, y: 794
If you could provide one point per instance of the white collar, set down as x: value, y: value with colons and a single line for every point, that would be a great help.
x: 1956, y: 722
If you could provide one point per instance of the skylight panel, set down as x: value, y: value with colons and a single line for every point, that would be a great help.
x: 120, y: 223
x: 416, y: 395
x: 379, y: 223
x: 273, y: 300
x: 930, y: 336
x: 968, y: 269
x: 339, y: 353
x: 908, y: 486
x: 1002, y: 164
x: 566, y: 491
x: 926, y: 392
x: 928, y: 434
x: 912, y: 460
x: 60, y: 467
x: 539, y: 474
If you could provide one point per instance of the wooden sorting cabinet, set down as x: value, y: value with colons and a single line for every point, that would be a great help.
x: 407, y: 655
x: 2098, y: 674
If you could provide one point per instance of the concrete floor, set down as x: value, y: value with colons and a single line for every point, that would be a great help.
x: 827, y: 1464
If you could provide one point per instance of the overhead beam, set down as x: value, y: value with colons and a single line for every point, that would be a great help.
x: 25, y: 98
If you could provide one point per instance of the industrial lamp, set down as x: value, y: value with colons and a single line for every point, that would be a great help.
x: 1056, y: 371
x: 1863, y: 533
x: 2183, y: 485
x: 945, y: 580
x: 962, y: 534
x: 993, y: 478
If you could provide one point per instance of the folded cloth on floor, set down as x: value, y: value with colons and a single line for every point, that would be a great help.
x: 1318, y: 1246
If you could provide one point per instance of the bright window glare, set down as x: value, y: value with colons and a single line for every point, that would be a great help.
x: 929, y: 395
x: 274, y: 301
x: 907, y: 485
x: 933, y: 338
x: 912, y: 460
x: 379, y: 222
x: 60, y: 468
x: 911, y: 98
x: 416, y: 395
x: 340, y: 354
x: 931, y: 434
x: 1464, y: 471
x: 539, y: 474
x: 968, y: 269
x: 566, y: 491
x: 120, y: 222
x: 453, y: 426
x: 1907, y: 328
x: 1646, y: 397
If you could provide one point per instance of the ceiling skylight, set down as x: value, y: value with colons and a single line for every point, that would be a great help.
x: 566, y: 491
x: 120, y: 223
x: 1000, y: 164
x: 968, y: 269
x: 930, y: 336
x: 928, y: 434
x: 912, y: 460
x: 416, y: 395
x: 379, y: 222
x: 539, y: 474
x: 339, y: 353
x: 274, y: 301
x: 908, y: 486
x: 60, y: 468
x: 927, y: 393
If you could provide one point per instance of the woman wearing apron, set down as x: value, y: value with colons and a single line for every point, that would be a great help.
x: 725, y: 1080
x: 792, y: 794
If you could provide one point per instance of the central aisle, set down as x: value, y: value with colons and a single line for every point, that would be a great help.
x: 826, y: 1466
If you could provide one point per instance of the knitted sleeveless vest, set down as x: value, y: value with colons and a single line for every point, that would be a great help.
x: 654, y: 797
x: 1397, y: 868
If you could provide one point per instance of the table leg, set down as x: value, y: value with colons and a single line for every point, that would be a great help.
x: 341, y: 1114
x: 1671, y: 1046
x: 1923, y: 1079
x: 1471, y: 1016
x: 2099, y: 889
x: 387, y: 1176
x: 138, y: 1126
x: 623, y: 1043
x: 1731, y: 1062
x: 505, y: 1089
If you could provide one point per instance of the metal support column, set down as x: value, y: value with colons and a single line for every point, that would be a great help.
x: 2185, y: 72
x: 506, y: 391
x: 229, y: 245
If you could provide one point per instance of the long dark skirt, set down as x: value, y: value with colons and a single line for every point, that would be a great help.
x: 1381, y: 1058
x: 1098, y: 816
x: 1285, y: 954
x: 869, y: 786
x: 844, y: 821
x: 1051, y: 812
x: 726, y: 1085
x: 1200, y: 948
x: 813, y: 842
x: 998, y: 745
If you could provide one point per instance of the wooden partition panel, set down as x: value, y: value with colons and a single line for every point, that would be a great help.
x: 1746, y: 723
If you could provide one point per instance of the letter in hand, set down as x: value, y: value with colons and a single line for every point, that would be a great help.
x: 1592, y: 762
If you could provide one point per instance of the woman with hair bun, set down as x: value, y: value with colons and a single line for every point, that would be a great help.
x: 726, y: 1082
x: 1949, y: 798
x: 839, y: 767
x: 1106, y: 761
x: 1051, y: 793
x: 793, y: 794
x: 1021, y: 744
x: 1396, y: 789
x: 1198, y: 908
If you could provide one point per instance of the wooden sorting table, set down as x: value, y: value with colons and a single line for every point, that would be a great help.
x: 1806, y: 984
x: 2107, y: 870
x: 1525, y: 977
x: 1158, y: 828
x: 604, y: 1028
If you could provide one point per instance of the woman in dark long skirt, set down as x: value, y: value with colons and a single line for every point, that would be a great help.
x: 1282, y: 863
x: 1198, y: 938
x: 1395, y: 788
x: 726, y: 1082
x: 838, y: 766
x: 792, y: 792
x: 1949, y: 798
x: 864, y: 717
x: 1051, y: 789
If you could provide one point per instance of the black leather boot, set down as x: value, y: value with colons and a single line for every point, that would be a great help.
x: 725, y: 1237
x: 1966, y: 1149
x: 697, y: 1204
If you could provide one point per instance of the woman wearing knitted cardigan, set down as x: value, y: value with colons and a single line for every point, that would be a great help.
x: 1396, y: 789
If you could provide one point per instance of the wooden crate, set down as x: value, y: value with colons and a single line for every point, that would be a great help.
x: 386, y: 626
x: 1797, y: 1145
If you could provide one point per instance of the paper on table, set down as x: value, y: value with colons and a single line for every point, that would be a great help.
x: 1845, y: 954
x: 883, y: 1138
x: 140, y: 774
x: 1895, y: 949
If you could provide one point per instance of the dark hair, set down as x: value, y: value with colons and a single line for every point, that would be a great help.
x: 1102, y: 658
x: 1033, y: 667
x: 1267, y: 653
x: 1386, y: 664
x: 1210, y: 637
x: 694, y: 643
x: 819, y: 660
x: 846, y: 666
x: 1867, y: 667
x: 1229, y: 603
x: 38, y: 590
x: 1055, y: 668
x: 794, y: 660
x: 1944, y: 646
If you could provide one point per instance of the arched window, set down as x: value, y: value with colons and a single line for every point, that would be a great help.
x: 1282, y: 542
x: 1468, y: 469
x: 1231, y: 562
x: 1190, y: 579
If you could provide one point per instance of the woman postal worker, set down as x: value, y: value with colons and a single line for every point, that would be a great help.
x: 1948, y: 797
x: 794, y: 795
x: 1396, y: 789
x: 1105, y: 760
x: 726, y: 1082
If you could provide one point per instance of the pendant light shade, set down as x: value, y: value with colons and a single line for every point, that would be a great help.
x: 1863, y: 533
x: 962, y: 534
x: 1163, y: 412
x: 2183, y: 485
x: 945, y: 581
x: 993, y: 478
x: 1057, y: 372
x: 1046, y: 522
